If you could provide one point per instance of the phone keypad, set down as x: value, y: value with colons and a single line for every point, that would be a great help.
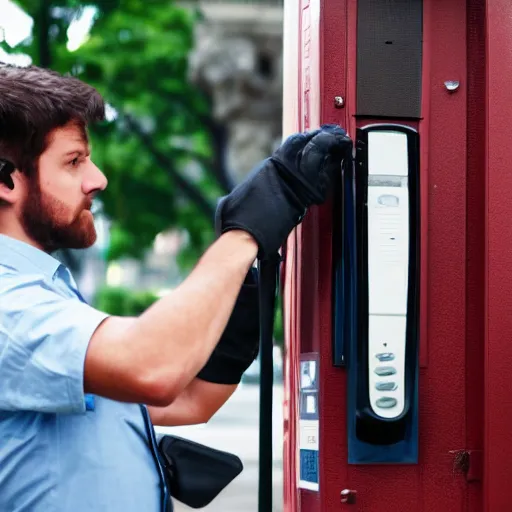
x: 386, y: 367
x: 385, y: 402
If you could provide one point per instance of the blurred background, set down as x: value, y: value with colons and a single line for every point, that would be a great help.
x: 194, y: 93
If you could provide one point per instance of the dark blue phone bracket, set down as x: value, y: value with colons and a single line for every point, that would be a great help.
x: 373, y: 439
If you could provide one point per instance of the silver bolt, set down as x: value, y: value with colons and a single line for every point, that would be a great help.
x: 452, y: 85
x: 339, y: 102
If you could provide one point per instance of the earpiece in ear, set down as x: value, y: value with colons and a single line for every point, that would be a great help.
x: 6, y: 169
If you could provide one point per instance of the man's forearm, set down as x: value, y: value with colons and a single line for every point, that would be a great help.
x: 196, y: 404
x: 185, y: 326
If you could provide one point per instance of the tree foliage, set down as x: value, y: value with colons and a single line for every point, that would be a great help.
x: 158, y: 146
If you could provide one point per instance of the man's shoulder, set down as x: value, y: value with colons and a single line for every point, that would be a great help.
x: 13, y: 280
x: 31, y: 295
x: 34, y: 307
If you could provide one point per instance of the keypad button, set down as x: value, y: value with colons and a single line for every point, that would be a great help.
x: 385, y: 371
x: 385, y: 386
x: 385, y: 356
x: 386, y: 402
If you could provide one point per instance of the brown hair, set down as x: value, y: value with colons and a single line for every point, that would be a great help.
x: 35, y: 101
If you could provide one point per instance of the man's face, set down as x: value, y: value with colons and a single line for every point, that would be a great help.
x: 55, y: 212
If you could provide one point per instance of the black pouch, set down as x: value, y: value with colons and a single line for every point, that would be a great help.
x: 195, y: 473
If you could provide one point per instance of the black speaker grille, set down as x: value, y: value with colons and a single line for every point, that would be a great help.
x: 389, y: 52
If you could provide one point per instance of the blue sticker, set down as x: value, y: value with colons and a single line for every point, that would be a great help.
x: 309, y: 466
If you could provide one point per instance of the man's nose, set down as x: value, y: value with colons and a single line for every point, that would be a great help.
x: 94, y: 180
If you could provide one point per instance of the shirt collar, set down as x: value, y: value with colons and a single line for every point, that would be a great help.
x: 20, y: 255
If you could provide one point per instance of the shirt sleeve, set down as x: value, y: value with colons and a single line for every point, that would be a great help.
x: 44, y: 338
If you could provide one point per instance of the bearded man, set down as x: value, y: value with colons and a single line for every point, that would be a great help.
x: 81, y: 390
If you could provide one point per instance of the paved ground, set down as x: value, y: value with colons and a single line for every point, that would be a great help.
x: 235, y: 429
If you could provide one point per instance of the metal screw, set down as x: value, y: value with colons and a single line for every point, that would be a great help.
x: 452, y: 85
x: 348, y: 496
x: 339, y: 102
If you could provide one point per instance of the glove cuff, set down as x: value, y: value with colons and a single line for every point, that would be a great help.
x: 223, y: 369
x: 239, y: 344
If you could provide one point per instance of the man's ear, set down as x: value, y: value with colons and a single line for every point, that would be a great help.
x: 7, y: 168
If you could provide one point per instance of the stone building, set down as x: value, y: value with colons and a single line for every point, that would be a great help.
x: 237, y: 60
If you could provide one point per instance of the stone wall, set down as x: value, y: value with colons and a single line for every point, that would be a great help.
x: 237, y: 59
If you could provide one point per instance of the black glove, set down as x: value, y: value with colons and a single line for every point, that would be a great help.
x: 275, y: 196
x: 239, y: 344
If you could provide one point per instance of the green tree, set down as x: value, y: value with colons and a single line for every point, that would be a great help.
x: 160, y: 149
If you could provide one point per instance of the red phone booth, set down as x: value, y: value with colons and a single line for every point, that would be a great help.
x: 399, y: 352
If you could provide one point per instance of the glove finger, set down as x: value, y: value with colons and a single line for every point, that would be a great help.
x: 334, y: 129
x: 331, y: 139
x: 325, y: 177
x: 314, y: 155
x: 326, y: 143
x: 321, y: 159
x: 294, y: 144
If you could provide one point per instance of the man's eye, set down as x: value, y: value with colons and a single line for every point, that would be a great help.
x: 75, y: 162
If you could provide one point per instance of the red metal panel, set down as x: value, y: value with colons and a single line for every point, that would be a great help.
x: 403, y: 488
x: 452, y: 276
x: 475, y: 241
x: 424, y: 131
x: 498, y: 407
x: 333, y: 449
x: 442, y: 384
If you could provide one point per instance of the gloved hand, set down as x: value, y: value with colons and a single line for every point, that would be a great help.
x: 239, y: 343
x: 276, y: 194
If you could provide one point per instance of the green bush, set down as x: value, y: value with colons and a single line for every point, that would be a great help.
x: 123, y: 301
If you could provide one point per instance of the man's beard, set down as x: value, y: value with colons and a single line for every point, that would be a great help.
x: 43, y: 220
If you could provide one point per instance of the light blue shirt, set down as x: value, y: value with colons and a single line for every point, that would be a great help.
x: 61, y: 450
